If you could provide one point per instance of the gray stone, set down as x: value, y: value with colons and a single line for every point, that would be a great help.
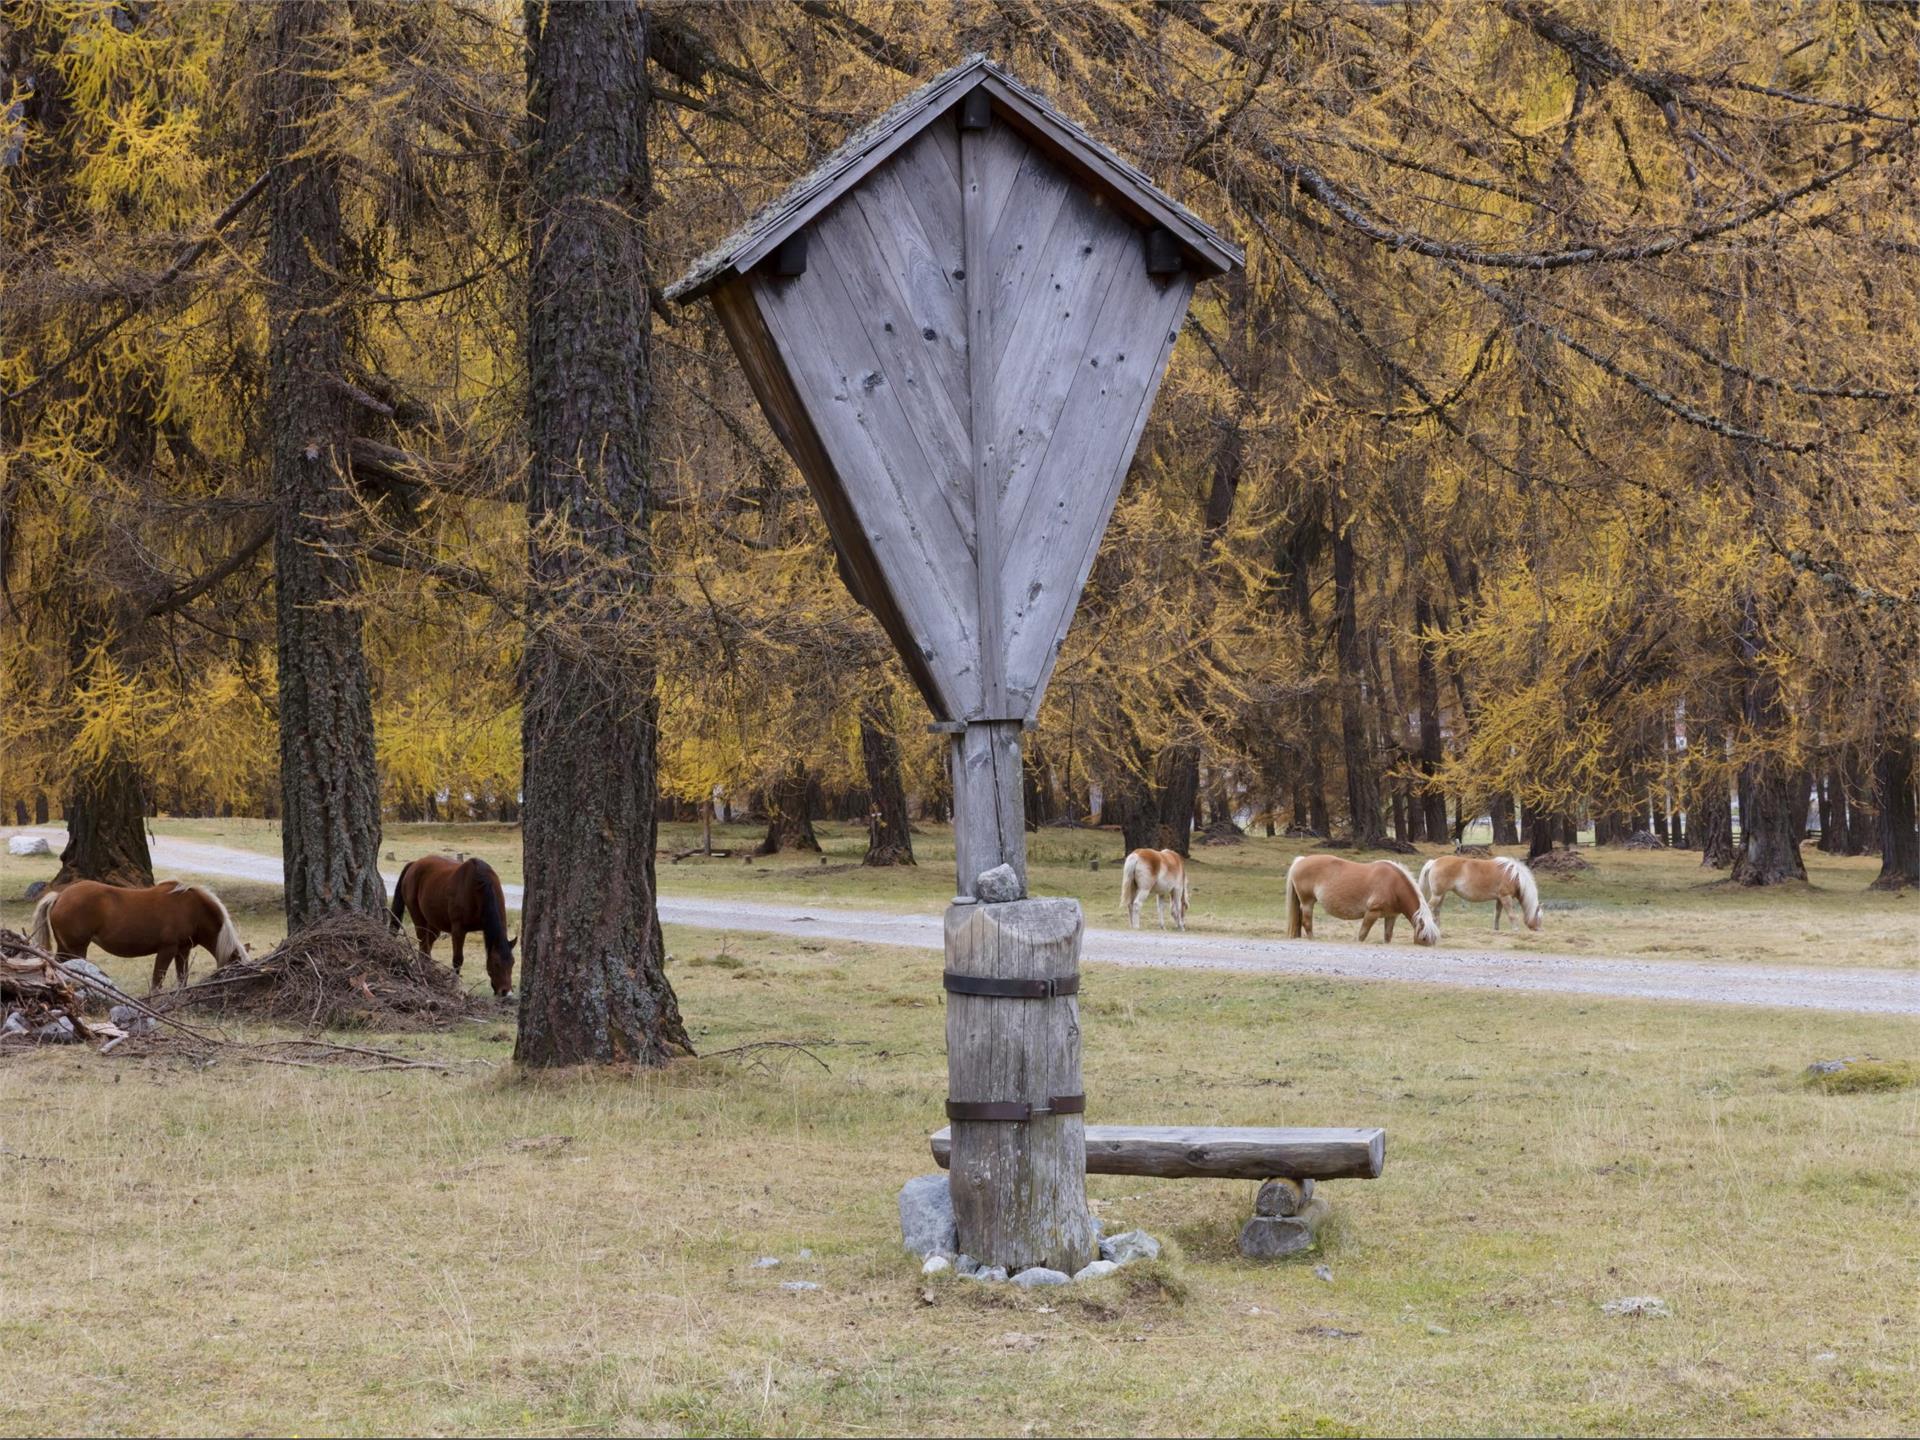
x: 1830, y: 1067
x: 1269, y: 1237
x: 1130, y: 1245
x: 798, y: 1286
x: 1643, y: 1307
x: 927, y: 1224
x: 35, y: 889
x: 998, y: 885
x: 1323, y: 1272
x: 28, y: 845
x: 936, y: 1264
x: 765, y: 1262
x: 86, y: 970
x: 1094, y: 1270
x: 134, y: 1022
x: 14, y: 1024
x: 988, y: 1273
x: 1038, y: 1275
x: 58, y: 1032
x: 965, y: 1264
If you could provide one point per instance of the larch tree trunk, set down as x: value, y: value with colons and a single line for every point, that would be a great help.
x: 1863, y: 820
x: 1310, y: 794
x: 593, y: 987
x: 1427, y: 686
x: 106, y: 826
x: 1363, y: 778
x: 1894, y: 796
x: 889, y: 829
x: 1500, y: 812
x: 329, y: 784
x: 790, y: 806
x: 1769, y: 850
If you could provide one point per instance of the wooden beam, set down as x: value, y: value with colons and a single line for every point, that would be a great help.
x: 980, y: 367
x: 1175, y: 1152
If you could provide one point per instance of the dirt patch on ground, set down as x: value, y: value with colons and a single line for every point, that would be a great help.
x: 348, y: 972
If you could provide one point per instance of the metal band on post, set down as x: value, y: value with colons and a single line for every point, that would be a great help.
x: 1015, y: 1112
x: 1048, y: 989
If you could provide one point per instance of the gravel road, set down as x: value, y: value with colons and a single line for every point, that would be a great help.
x: 1881, y: 992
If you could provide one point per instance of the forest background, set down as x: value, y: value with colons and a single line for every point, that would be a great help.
x: 1554, y: 461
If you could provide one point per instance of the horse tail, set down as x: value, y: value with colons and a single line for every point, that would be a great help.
x: 226, y: 945
x: 1293, y: 902
x: 42, y: 932
x: 1529, y: 890
x: 493, y: 915
x: 1129, y: 883
x: 397, y: 911
x: 1425, y: 883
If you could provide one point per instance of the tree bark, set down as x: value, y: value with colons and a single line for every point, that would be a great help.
x: 1310, y: 793
x: 889, y: 832
x: 1500, y: 812
x: 1427, y: 687
x: 1893, y: 791
x: 1863, y: 820
x: 329, y: 785
x: 594, y: 986
x: 1363, y: 779
x: 1175, y: 796
x: 1769, y: 851
x: 790, y: 806
x: 106, y: 827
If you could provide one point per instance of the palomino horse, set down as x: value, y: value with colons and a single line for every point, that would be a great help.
x: 1161, y: 874
x: 164, y: 921
x: 1503, y: 880
x: 1357, y: 890
x: 452, y: 897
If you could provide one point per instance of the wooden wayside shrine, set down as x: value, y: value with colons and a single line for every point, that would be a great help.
x: 956, y: 324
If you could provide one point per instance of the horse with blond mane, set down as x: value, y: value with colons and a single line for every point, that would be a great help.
x: 165, y: 921
x: 1503, y: 880
x: 1360, y: 890
x: 1161, y: 874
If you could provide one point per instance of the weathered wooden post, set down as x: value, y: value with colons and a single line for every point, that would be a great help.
x: 956, y: 324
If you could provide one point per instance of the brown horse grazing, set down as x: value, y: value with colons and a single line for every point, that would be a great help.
x: 164, y: 921
x: 451, y: 897
x: 1503, y: 880
x: 1357, y: 890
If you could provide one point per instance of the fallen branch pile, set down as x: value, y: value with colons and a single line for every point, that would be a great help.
x: 343, y: 972
x: 39, y: 988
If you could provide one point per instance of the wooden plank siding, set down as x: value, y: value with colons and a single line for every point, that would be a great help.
x: 767, y: 377
x: 876, y: 463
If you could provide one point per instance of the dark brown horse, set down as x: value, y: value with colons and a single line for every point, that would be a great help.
x: 451, y: 897
x: 164, y: 921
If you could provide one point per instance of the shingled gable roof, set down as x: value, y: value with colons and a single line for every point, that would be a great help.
x: 870, y: 145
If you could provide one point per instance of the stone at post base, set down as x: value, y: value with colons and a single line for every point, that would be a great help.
x: 926, y: 1215
x: 1273, y: 1237
x: 1019, y: 1190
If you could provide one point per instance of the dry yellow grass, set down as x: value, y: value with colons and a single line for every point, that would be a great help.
x: 248, y: 1248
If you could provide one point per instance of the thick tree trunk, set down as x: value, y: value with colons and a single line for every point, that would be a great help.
x: 1176, y: 795
x: 1500, y: 811
x: 1037, y: 783
x: 1543, y: 829
x: 106, y: 827
x: 1893, y: 779
x: 1310, y: 794
x: 1363, y: 778
x: 1863, y: 820
x: 594, y: 986
x: 790, y: 806
x: 329, y: 786
x: 889, y: 834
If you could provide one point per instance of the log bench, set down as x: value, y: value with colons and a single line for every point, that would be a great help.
x: 1287, y: 1159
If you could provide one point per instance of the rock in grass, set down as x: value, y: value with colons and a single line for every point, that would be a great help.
x: 927, y: 1224
x: 134, y: 1022
x: 28, y: 845
x: 35, y: 889
x: 1644, y: 1307
x: 1272, y: 1237
x: 997, y: 886
x: 965, y: 1264
x: 1862, y: 1074
x: 936, y: 1264
x: 765, y: 1262
x: 990, y: 1273
x: 1037, y: 1275
x: 85, y: 971
x: 799, y: 1286
x: 1130, y: 1245
x: 1094, y: 1270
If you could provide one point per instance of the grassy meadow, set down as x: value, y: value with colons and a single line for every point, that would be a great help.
x: 258, y: 1248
